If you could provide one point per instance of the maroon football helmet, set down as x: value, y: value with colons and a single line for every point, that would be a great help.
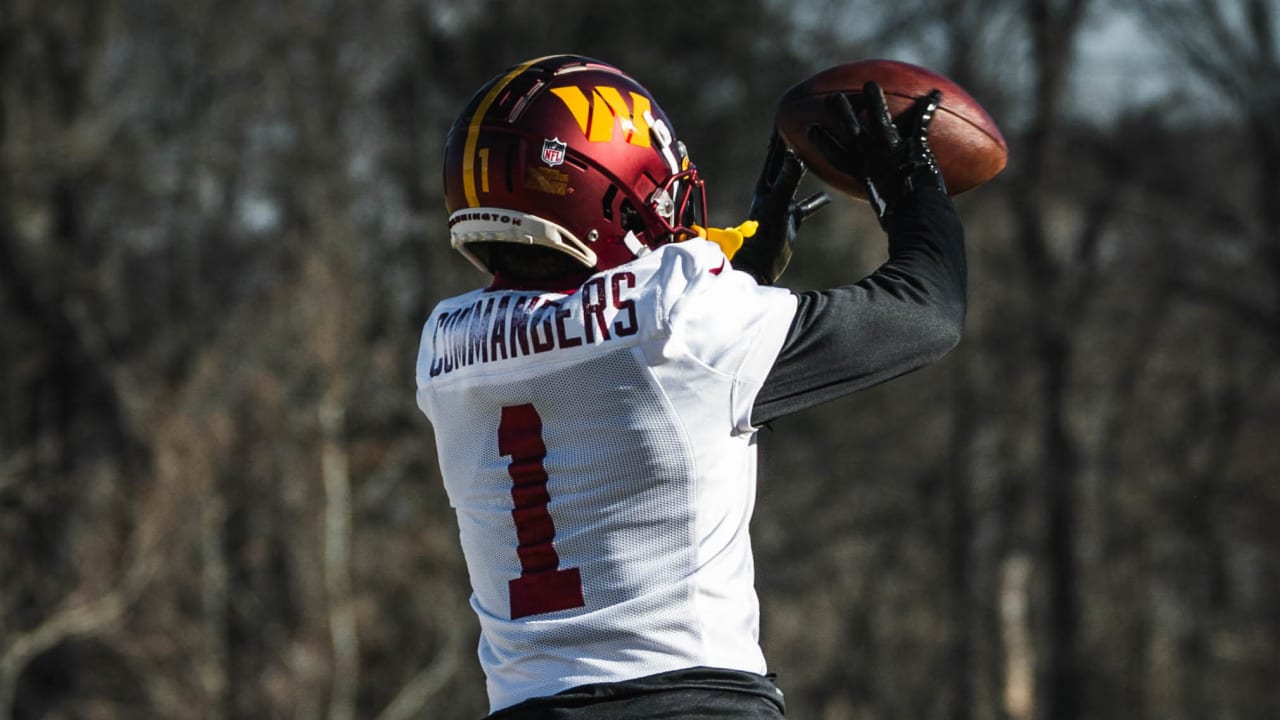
x: 568, y: 153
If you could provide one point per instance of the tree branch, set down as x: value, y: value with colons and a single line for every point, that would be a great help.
x: 337, y: 562
x: 416, y: 693
x: 69, y: 621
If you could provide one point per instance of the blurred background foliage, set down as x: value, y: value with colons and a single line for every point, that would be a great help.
x: 221, y: 227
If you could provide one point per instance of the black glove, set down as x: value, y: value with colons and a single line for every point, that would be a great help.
x: 891, y: 158
x: 767, y: 253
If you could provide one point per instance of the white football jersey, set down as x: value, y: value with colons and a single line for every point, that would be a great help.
x: 598, y: 449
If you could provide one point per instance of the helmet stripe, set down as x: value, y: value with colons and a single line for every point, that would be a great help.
x: 473, y: 132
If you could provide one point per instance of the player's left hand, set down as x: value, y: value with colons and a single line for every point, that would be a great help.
x: 767, y: 253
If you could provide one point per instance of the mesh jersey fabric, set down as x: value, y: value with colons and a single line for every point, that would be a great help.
x: 598, y: 450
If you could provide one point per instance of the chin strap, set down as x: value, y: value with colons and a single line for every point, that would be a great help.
x: 729, y: 239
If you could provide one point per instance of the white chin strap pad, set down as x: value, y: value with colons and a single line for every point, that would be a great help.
x: 633, y: 244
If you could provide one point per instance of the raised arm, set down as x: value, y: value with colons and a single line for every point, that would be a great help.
x: 910, y: 311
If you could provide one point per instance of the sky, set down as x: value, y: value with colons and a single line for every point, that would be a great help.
x: 1123, y: 64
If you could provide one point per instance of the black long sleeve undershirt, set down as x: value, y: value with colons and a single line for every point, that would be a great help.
x: 905, y: 315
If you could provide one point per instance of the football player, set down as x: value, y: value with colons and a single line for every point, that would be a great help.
x: 595, y: 405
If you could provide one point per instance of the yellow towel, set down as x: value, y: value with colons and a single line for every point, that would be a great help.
x: 729, y: 239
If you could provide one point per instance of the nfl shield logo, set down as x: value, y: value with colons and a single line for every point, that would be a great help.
x: 553, y: 151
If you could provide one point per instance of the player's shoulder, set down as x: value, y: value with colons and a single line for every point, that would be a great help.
x: 683, y: 277
x: 673, y: 267
x: 691, y: 257
x: 699, y: 267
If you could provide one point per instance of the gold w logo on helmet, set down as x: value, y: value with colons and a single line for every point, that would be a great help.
x: 606, y: 111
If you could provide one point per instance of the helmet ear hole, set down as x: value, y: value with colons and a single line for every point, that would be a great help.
x: 606, y: 209
x: 631, y: 220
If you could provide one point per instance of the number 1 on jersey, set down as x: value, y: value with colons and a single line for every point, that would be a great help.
x: 542, y: 586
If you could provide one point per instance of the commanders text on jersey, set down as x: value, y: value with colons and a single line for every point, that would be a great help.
x: 512, y: 325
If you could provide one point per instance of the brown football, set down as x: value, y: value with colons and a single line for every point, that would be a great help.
x: 966, y: 142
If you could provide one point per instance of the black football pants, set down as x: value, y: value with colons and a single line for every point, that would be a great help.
x: 693, y: 694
